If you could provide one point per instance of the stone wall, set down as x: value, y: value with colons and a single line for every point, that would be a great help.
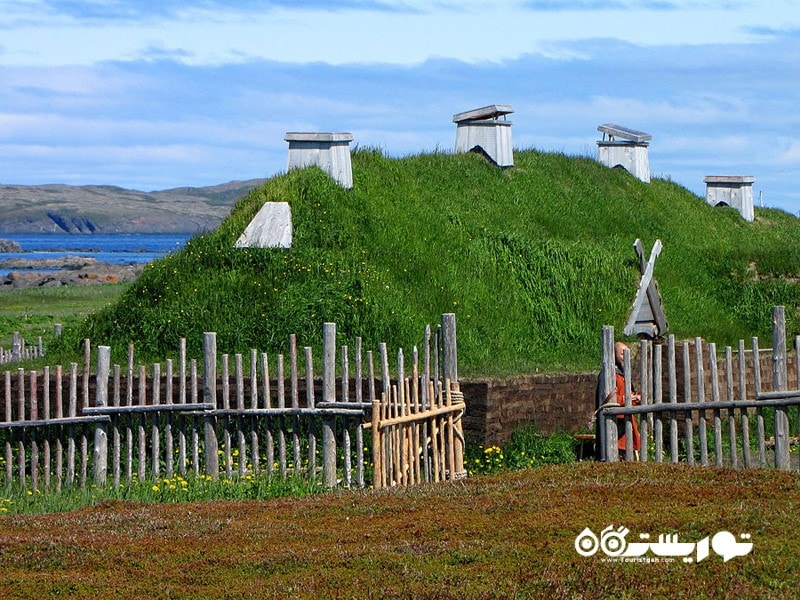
x: 552, y: 403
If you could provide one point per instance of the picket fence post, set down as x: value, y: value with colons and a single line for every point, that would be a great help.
x: 449, y: 351
x: 329, y: 395
x: 608, y: 423
x: 780, y: 385
x: 101, y: 429
x: 210, y: 397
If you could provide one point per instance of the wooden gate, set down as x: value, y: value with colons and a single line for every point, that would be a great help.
x: 414, y: 441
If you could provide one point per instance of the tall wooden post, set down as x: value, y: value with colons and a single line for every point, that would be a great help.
x: 210, y: 397
x: 16, y: 347
x: 608, y: 424
x: 329, y: 395
x: 101, y: 430
x: 780, y: 385
x: 450, y: 355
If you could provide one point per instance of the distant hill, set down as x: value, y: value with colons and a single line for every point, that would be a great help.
x: 533, y: 260
x: 58, y: 208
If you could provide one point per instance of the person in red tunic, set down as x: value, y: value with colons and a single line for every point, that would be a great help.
x: 619, y: 353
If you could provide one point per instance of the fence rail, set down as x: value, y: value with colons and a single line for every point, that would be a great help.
x: 228, y: 416
x: 707, y: 407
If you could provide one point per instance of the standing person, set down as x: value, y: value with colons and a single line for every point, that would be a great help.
x: 619, y: 354
x: 618, y: 395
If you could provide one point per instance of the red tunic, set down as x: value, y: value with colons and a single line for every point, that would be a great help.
x: 621, y: 418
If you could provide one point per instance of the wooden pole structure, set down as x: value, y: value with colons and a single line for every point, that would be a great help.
x: 780, y: 385
x: 629, y: 452
x: 329, y: 395
x: 449, y: 351
x: 673, y: 397
x: 762, y: 450
x: 101, y: 429
x: 16, y: 347
x: 608, y: 424
x: 210, y: 397
x: 701, y: 397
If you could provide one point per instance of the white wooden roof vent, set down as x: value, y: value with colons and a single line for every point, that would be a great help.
x: 487, y: 130
x: 328, y: 151
x: 731, y: 190
x: 626, y: 148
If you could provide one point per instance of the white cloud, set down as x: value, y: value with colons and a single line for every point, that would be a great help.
x: 390, y: 32
x: 789, y: 154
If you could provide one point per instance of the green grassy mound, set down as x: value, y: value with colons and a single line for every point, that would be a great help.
x: 533, y: 260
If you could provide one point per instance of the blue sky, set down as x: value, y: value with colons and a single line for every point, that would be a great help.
x: 153, y: 95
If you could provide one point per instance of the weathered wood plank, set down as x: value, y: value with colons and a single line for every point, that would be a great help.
x: 295, y: 397
x: 328, y: 395
x: 760, y: 433
x: 46, y: 465
x: 169, y: 442
x: 101, y: 431
x: 607, y: 427
x: 346, y: 443
x: 310, y: 400
x: 701, y: 378
x: 646, y: 386
x: 72, y: 411
x: 7, y: 419
x: 715, y: 397
x: 128, y: 422
x: 267, y: 402
x: 733, y: 455
x: 59, y: 443
x: 789, y: 400
x: 116, y: 436
x: 745, y: 418
x: 281, y: 423
x: 255, y: 453
x: 182, y: 373
x: 141, y: 437
x: 34, y: 466
x: 779, y: 378
x: 687, y: 396
x: 210, y: 397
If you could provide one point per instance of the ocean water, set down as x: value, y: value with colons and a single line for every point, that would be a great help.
x: 117, y: 248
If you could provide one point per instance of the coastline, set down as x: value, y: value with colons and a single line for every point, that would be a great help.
x: 54, y: 260
x: 68, y: 270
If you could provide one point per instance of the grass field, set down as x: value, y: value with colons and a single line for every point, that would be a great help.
x: 34, y: 311
x: 510, y: 535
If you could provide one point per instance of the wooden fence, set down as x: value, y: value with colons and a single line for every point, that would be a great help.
x: 20, y: 350
x: 708, y: 407
x: 232, y: 417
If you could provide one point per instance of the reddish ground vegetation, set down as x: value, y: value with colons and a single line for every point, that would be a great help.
x: 502, y: 536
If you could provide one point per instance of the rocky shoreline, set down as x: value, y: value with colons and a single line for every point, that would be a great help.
x: 69, y: 270
x: 9, y: 246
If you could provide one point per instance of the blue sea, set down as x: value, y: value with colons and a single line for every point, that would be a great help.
x: 115, y: 248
